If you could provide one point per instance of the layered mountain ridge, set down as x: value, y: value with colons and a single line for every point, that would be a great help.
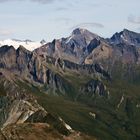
x: 83, y: 47
x: 80, y: 87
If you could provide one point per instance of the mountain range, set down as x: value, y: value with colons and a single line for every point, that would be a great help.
x: 84, y: 47
x: 82, y: 87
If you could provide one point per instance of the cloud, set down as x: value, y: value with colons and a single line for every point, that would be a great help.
x: 43, y: 1
x: 40, y: 1
x: 63, y: 20
x: 61, y: 9
x: 133, y: 19
x: 4, y: 32
x: 90, y: 24
x: 138, y: 29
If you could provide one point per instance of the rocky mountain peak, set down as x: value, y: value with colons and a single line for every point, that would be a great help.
x: 126, y: 36
x: 127, y: 33
x: 84, y: 32
x: 126, y: 30
x: 22, y: 48
x: 6, y: 48
x: 78, y: 31
x: 43, y: 42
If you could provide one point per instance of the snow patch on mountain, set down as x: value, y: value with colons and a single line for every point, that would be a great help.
x: 28, y: 44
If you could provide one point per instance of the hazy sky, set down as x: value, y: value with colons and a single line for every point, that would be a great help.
x: 49, y: 19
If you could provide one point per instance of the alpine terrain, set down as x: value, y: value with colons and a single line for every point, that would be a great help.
x: 82, y: 87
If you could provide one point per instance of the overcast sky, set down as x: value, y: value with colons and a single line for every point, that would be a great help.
x: 49, y: 19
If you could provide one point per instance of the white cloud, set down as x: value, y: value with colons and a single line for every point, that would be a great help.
x: 88, y: 24
x: 4, y: 32
x: 134, y: 19
x: 40, y: 1
x: 43, y: 1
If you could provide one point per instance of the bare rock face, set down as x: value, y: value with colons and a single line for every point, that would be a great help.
x: 95, y: 88
x: 73, y: 48
x: 126, y: 37
x: 101, y: 52
x: 8, y: 57
x: 39, y: 70
x: 93, y: 44
x: 2, y: 137
x: 35, y: 68
x: 18, y: 107
x: 127, y: 54
x: 84, y: 47
x: 19, y: 111
x: 23, y: 57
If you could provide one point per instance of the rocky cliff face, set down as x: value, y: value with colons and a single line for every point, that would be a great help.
x: 95, y: 88
x: 18, y: 107
x: 88, y: 48
x: 126, y: 37
x: 74, y: 48
x: 36, y: 68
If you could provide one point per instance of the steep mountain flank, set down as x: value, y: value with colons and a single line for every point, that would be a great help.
x: 80, y: 87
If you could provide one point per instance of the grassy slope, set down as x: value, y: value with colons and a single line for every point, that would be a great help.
x: 110, y: 123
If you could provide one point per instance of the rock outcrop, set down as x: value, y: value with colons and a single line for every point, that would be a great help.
x: 95, y: 88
